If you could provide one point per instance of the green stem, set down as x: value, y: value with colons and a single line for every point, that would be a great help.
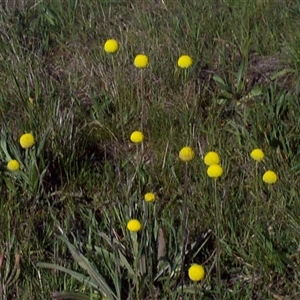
x: 184, y: 225
x: 218, y: 235
x: 136, y: 264
x: 256, y: 189
x: 196, y: 290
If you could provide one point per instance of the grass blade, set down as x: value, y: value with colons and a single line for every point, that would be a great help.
x: 69, y: 295
x: 78, y: 276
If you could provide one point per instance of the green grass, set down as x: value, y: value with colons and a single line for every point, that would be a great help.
x: 84, y: 179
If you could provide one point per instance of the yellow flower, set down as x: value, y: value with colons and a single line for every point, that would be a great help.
x: 13, y: 165
x: 184, y: 61
x: 111, y: 46
x: 137, y: 137
x: 211, y: 158
x: 214, y: 171
x: 270, y: 177
x: 134, y: 225
x: 196, y: 272
x: 257, y: 154
x: 149, y: 197
x: 27, y: 140
x: 141, y: 61
x: 186, y: 154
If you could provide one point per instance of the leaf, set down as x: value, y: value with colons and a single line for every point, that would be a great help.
x: 222, y: 84
x: 115, y: 243
x: 69, y: 295
x: 15, y: 273
x: 4, y: 146
x: 256, y: 91
x: 123, y: 261
x: 78, y: 276
x: 281, y: 73
x: 239, y: 76
x: 218, y: 80
x: 161, y: 244
x: 86, y: 265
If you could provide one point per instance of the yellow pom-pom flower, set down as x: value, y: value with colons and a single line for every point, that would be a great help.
x: 211, y: 158
x: 186, y: 154
x: 111, y: 46
x: 257, y: 154
x: 134, y: 225
x: 270, y: 177
x: 196, y: 272
x: 141, y: 61
x: 214, y: 171
x: 27, y: 140
x: 137, y: 137
x: 149, y: 197
x: 184, y: 61
x: 13, y: 165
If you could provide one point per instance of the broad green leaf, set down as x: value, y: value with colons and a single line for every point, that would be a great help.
x: 219, y: 80
x: 222, y: 84
x: 256, y: 91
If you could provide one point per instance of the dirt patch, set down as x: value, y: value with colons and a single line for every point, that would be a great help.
x: 262, y: 71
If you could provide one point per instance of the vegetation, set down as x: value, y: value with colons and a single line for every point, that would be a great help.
x: 68, y: 193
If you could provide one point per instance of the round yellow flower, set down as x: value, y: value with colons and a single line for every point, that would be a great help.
x: 141, y: 61
x: 137, y: 137
x: 257, y: 154
x: 214, y: 171
x: 186, y: 154
x: 134, y: 225
x: 13, y: 165
x: 149, y: 197
x: 184, y: 61
x: 270, y: 177
x: 196, y: 272
x: 111, y: 46
x: 27, y: 140
x: 211, y: 158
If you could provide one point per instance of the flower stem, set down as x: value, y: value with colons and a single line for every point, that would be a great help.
x: 218, y: 235
x: 184, y: 226
x: 196, y: 290
x: 136, y: 264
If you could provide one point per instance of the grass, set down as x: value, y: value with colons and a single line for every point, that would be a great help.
x: 83, y: 180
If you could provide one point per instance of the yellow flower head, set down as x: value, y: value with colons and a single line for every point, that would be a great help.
x: 214, y: 171
x: 111, y: 46
x: 196, y: 272
x: 137, y: 137
x: 211, y: 158
x: 257, y: 154
x: 13, y: 165
x: 134, y: 225
x: 186, y: 154
x: 149, y: 197
x: 27, y: 140
x: 141, y: 61
x: 270, y: 177
x: 184, y: 61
